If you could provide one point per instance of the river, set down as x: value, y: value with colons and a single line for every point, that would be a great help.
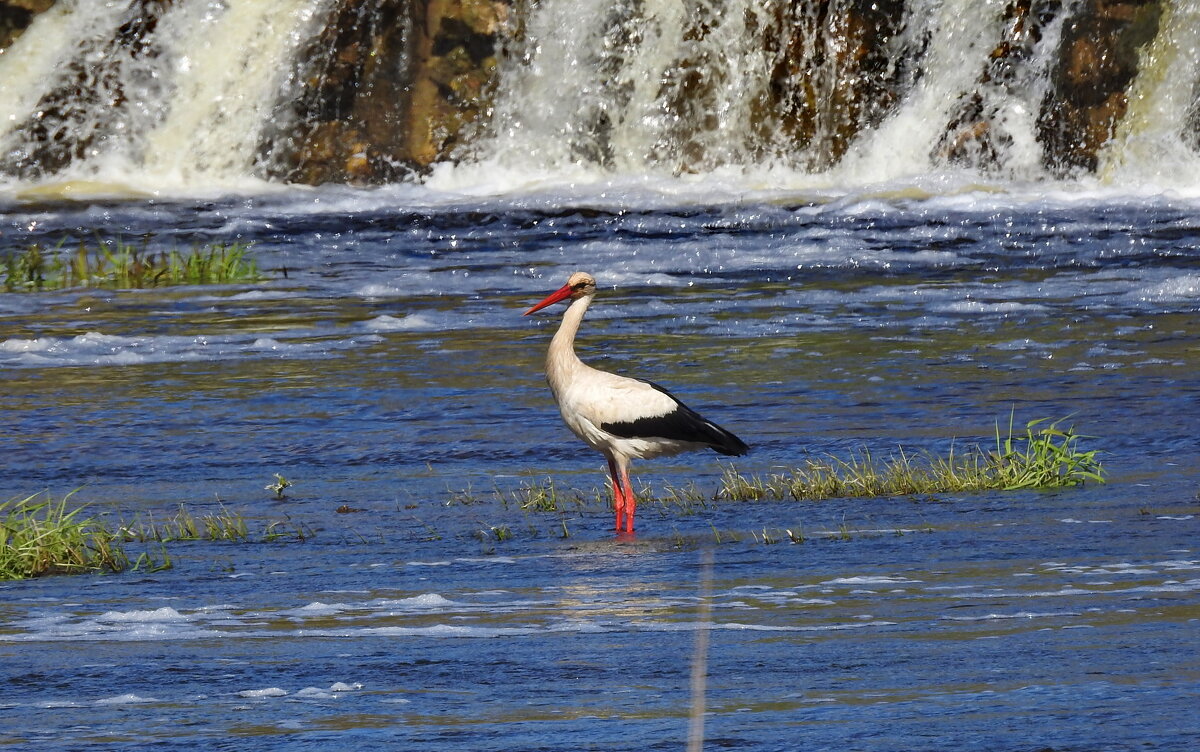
x: 386, y: 370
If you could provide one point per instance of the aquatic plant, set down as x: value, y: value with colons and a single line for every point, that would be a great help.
x: 280, y: 485
x: 497, y: 533
x: 221, y: 525
x: 540, y: 495
x: 1045, y: 457
x: 40, y: 536
x: 120, y: 265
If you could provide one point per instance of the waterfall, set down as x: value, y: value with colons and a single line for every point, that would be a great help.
x: 663, y: 85
x: 165, y: 93
x: 209, y: 93
x: 229, y: 73
x: 1157, y: 141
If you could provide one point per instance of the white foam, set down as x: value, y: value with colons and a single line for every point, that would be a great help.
x: 317, y: 608
x: 1016, y: 615
x: 265, y: 692
x: 409, y: 323
x: 1175, y: 289
x: 164, y: 614
x: 869, y: 580
x: 99, y: 349
x: 421, y: 602
x: 126, y: 699
x: 982, y: 307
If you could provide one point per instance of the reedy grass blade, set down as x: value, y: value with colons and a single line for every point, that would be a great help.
x: 120, y: 265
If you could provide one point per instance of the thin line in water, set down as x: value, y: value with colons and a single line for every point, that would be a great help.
x: 700, y: 655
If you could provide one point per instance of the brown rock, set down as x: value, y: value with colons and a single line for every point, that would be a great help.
x: 403, y: 83
x: 16, y: 15
x: 1088, y: 88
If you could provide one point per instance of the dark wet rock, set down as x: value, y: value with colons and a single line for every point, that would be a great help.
x: 16, y: 15
x: 1088, y: 93
x: 825, y: 89
x: 388, y: 88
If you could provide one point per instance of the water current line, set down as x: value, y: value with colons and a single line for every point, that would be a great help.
x: 700, y: 654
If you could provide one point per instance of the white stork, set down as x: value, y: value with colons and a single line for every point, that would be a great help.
x: 622, y: 418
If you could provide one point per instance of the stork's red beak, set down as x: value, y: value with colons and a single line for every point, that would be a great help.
x: 561, y: 293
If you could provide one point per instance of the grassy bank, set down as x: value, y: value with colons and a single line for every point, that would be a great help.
x: 115, y: 264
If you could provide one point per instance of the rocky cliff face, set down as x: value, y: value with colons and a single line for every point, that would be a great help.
x: 387, y: 88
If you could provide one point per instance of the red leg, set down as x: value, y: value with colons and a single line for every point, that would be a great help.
x: 618, y: 494
x: 630, y: 500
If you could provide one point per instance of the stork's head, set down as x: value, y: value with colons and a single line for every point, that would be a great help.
x: 580, y: 284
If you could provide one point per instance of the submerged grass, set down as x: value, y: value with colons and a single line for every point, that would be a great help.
x: 222, y: 525
x: 184, y: 526
x: 41, y: 536
x: 120, y: 265
x: 1044, y: 456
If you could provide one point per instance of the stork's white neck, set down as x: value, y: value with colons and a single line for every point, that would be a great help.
x: 561, y: 360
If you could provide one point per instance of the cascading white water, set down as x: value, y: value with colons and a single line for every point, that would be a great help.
x: 961, y: 34
x: 230, y: 69
x: 183, y: 107
x: 594, y: 90
x: 117, y: 87
x: 633, y: 85
x: 28, y: 67
x: 609, y: 92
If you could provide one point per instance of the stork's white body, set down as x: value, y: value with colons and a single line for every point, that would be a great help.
x: 620, y: 417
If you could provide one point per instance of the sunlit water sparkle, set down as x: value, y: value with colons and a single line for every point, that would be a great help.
x: 391, y: 369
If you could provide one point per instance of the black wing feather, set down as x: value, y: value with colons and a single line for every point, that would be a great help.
x: 681, y: 424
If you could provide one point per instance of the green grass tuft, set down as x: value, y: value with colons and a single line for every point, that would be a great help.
x: 39, y: 536
x: 538, y: 496
x: 1045, y: 457
x: 115, y: 264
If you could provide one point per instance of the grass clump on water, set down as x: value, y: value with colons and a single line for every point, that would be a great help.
x: 119, y: 265
x: 1043, y: 456
x: 40, y: 536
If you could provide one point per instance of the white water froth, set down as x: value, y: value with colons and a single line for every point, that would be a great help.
x: 265, y: 692
x: 164, y: 614
x: 98, y: 349
x: 126, y: 699
x: 498, y: 614
x: 414, y: 322
x: 1184, y: 288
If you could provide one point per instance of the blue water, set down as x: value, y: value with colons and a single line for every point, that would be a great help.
x: 391, y: 372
